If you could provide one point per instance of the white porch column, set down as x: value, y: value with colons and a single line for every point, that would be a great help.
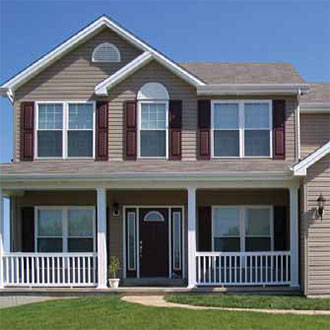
x: 2, y: 228
x: 101, y: 238
x: 191, y: 237
x: 294, y: 236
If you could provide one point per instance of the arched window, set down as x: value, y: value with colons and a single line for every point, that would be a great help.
x: 153, y: 216
x: 106, y: 52
x: 153, y: 100
x: 153, y: 91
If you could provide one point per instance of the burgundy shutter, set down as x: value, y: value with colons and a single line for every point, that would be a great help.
x: 175, y: 125
x: 28, y: 229
x: 281, y: 228
x: 102, y: 130
x: 204, y: 124
x: 279, y: 129
x: 130, y: 130
x: 204, y: 228
x: 27, y: 130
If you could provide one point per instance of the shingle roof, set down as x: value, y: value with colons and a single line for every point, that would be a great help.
x: 318, y: 93
x: 244, y: 73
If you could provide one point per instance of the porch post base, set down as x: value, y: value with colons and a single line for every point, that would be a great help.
x: 191, y: 286
x: 101, y: 287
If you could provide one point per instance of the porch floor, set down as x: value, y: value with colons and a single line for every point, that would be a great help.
x: 150, y: 290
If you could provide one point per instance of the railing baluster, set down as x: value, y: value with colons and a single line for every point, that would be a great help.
x: 89, y: 270
x: 287, y: 268
x: 84, y: 270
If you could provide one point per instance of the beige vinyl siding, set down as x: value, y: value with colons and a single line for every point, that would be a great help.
x: 317, y: 231
x: 73, y: 77
x: 314, y: 132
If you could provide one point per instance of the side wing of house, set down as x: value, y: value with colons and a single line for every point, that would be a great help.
x: 315, y: 232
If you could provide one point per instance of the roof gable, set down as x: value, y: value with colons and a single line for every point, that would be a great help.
x: 11, y: 85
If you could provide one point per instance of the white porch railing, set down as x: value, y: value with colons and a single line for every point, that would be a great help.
x: 49, y: 269
x: 243, y: 268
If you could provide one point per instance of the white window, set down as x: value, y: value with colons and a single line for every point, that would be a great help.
x: 153, y: 121
x: 106, y: 52
x: 50, y: 130
x: 153, y: 129
x: 65, y: 130
x: 131, y: 237
x: 65, y: 229
x: 242, y: 228
x: 176, y: 241
x: 241, y: 128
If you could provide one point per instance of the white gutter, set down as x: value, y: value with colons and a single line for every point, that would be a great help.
x: 156, y: 176
x: 252, y: 89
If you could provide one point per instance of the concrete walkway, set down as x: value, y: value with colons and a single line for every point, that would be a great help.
x: 159, y: 301
x: 11, y: 301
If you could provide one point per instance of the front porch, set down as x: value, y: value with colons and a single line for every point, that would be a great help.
x: 190, y: 257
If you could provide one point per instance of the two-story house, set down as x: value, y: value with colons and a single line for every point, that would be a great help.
x: 192, y: 174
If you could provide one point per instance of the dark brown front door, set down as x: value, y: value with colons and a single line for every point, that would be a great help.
x: 153, y: 244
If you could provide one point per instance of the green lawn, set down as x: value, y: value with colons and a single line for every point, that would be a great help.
x: 112, y: 313
x: 251, y: 301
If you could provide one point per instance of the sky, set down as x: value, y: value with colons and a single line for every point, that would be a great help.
x: 295, y: 31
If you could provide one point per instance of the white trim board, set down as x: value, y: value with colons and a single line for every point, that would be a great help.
x: 300, y: 169
x: 81, y: 36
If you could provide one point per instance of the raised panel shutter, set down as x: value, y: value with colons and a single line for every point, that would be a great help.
x: 27, y: 131
x: 175, y: 127
x: 279, y: 129
x: 130, y: 130
x: 204, y: 228
x: 281, y: 228
x: 28, y: 229
x: 204, y: 124
x: 102, y: 130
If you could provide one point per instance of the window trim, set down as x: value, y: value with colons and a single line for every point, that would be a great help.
x: 65, y: 229
x: 241, y: 127
x: 166, y: 102
x: 65, y: 129
x: 242, y: 218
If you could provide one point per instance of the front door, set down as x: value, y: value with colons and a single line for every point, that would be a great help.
x: 153, y: 243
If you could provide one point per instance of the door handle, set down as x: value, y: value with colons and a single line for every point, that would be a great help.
x: 140, y: 249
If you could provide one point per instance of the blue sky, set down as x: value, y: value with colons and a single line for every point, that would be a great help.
x: 295, y: 31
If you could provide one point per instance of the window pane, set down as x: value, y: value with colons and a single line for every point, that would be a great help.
x: 257, y: 143
x: 226, y: 221
x: 257, y: 222
x: 50, y: 143
x: 49, y: 244
x: 256, y: 115
x: 80, y: 143
x: 227, y: 244
x: 153, y: 116
x: 50, y: 116
x: 153, y: 143
x: 131, y: 240
x: 177, y: 239
x: 80, y: 116
x: 49, y: 222
x: 226, y: 143
x: 80, y: 244
x: 80, y: 222
x: 257, y: 244
x: 226, y: 115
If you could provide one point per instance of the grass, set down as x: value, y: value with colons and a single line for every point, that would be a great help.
x: 251, y: 301
x: 112, y: 313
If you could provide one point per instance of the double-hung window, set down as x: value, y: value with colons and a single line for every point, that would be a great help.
x: 65, y: 229
x: 242, y: 228
x: 153, y: 133
x: 50, y: 130
x: 65, y: 130
x: 241, y: 128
